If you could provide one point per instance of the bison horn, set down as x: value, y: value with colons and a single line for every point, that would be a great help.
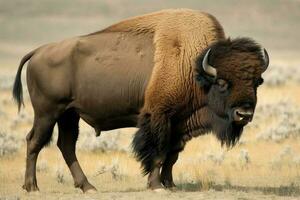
x: 210, y: 70
x: 266, y: 59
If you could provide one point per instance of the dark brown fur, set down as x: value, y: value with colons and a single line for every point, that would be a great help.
x: 241, y: 56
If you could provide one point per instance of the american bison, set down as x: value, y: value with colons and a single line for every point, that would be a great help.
x: 173, y: 74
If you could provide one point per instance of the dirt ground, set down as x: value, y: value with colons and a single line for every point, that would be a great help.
x: 224, y: 195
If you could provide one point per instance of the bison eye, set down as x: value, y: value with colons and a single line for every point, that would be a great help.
x: 259, y: 82
x: 222, y: 84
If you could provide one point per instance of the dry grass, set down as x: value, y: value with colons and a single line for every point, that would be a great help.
x: 256, y: 166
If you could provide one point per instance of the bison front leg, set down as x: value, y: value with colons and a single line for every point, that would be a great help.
x: 154, y: 176
x: 150, y: 145
x: 164, y: 97
x: 166, y: 177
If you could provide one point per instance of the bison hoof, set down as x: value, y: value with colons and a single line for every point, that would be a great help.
x: 89, y: 189
x: 173, y: 188
x: 153, y: 185
x: 30, y: 187
x: 156, y: 187
x: 169, y: 185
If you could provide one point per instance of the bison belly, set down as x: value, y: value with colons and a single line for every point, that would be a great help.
x: 112, y: 72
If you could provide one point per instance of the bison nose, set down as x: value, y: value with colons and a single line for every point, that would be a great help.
x: 242, y: 114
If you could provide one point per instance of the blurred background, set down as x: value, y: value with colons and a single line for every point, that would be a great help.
x: 26, y: 24
x: 266, y: 160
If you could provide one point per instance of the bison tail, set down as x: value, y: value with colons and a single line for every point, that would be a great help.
x: 17, y: 88
x: 150, y: 142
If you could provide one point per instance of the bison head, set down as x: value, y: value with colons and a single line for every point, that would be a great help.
x: 230, y: 73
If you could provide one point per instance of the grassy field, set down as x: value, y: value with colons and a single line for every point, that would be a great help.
x: 265, y: 164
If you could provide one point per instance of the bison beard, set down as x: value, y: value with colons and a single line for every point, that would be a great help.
x: 226, y: 131
x: 151, y: 141
x: 231, y: 135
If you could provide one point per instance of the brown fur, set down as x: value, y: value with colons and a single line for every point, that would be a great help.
x: 146, y: 72
x: 178, y: 36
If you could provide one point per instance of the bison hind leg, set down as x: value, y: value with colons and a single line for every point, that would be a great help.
x: 67, y: 137
x: 37, y: 138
